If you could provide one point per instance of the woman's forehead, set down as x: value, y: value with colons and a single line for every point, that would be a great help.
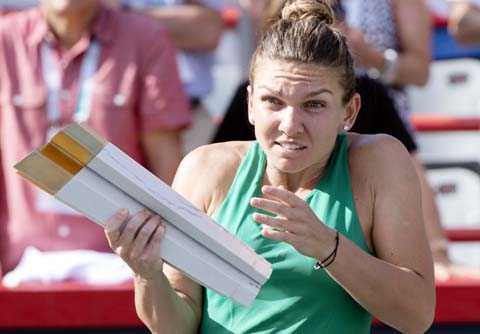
x: 277, y: 75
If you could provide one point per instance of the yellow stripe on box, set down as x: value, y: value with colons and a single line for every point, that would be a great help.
x: 61, y: 158
x: 79, y: 141
x: 43, y: 172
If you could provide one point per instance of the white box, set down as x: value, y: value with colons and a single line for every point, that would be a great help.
x: 97, y: 179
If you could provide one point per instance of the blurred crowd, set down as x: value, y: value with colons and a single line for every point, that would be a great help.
x: 159, y: 78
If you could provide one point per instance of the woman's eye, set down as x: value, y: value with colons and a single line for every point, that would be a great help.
x: 271, y: 100
x: 314, y: 105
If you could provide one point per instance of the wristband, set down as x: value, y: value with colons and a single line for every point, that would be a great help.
x: 330, y: 258
x: 388, y: 72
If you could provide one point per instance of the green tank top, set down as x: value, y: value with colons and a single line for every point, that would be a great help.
x: 296, y: 298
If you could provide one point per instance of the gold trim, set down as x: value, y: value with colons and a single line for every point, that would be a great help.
x: 43, y: 172
x: 80, y: 141
x: 54, y: 164
x: 61, y: 158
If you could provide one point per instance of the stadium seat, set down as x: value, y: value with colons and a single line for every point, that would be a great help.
x: 453, y: 89
x: 452, y: 159
x: 458, y: 196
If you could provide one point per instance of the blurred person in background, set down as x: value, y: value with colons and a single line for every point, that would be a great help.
x: 464, y: 21
x: 235, y: 124
x: 79, y: 61
x: 382, y: 93
x: 390, y: 42
x: 195, y: 27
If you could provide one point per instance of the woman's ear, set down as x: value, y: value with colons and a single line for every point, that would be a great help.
x: 351, y: 112
x: 250, y: 105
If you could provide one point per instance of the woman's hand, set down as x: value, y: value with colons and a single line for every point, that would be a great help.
x: 136, y: 240
x: 295, y: 223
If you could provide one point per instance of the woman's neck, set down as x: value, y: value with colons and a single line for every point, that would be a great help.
x: 69, y: 26
x: 300, y: 183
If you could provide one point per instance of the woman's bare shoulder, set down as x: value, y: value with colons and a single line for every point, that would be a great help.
x: 206, y: 173
x: 377, y: 147
x: 219, y: 156
x: 378, y: 158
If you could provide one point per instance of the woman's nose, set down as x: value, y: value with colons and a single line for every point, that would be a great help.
x: 291, y: 122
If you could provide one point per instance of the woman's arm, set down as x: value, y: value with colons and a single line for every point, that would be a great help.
x: 169, y: 303
x: 172, y: 302
x: 166, y: 300
x: 397, y: 285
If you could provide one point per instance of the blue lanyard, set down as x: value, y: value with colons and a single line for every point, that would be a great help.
x: 52, y: 76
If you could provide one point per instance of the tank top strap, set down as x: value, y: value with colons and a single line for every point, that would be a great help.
x: 246, y: 184
x: 332, y: 197
x: 252, y: 168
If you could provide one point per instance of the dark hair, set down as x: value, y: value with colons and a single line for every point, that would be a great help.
x: 304, y: 34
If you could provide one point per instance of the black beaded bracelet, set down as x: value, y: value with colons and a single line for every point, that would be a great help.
x: 330, y: 258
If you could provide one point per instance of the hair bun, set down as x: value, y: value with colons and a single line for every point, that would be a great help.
x: 302, y: 9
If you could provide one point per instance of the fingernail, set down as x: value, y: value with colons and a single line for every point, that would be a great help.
x: 124, y: 212
x: 264, y: 189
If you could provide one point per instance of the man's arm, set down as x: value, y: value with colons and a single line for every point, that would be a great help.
x: 163, y: 107
x: 414, y: 30
x: 464, y: 23
x: 163, y: 152
x: 192, y: 27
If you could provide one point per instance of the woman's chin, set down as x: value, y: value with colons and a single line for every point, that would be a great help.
x: 288, y: 166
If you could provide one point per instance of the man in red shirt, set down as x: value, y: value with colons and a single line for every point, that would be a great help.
x: 74, y: 60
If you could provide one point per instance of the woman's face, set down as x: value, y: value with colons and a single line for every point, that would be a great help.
x: 297, y: 111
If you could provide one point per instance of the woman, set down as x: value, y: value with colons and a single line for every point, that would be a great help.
x: 304, y: 195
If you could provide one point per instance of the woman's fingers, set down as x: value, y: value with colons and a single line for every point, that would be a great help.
x: 127, y: 234
x: 113, y: 227
x: 281, y: 194
x: 137, y: 240
x: 276, y: 223
x: 284, y: 236
x: 282, y: 203
x: 144, y: 236
x: 131, y: 229
x: 153, y: 246
x: 269, y: 205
